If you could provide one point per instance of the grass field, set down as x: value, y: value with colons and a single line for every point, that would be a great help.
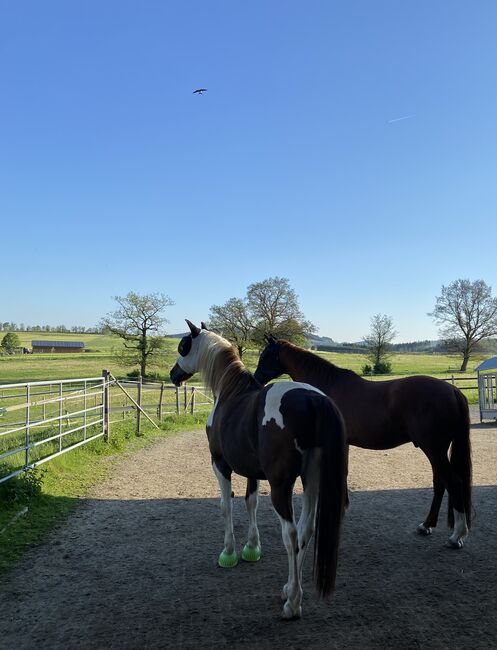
x: 101, y: 348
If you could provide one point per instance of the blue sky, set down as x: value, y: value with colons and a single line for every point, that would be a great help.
x: 115, y: 177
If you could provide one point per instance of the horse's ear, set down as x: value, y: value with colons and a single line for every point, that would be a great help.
x: 193, y: 328
x: 270, y: 338
x: 203, y: 326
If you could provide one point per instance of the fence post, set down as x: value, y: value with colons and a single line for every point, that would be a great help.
x: 192, y: 406
x: 60, y: 416
x: 185, y: 397
x: 177, y: 400
x: 28, y: 397
x: 106, y: 404
x: 159, y: 410
x: 139, y: 402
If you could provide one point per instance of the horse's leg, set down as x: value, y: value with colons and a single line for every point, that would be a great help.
x: 281, y: 496
x: 443, y: 470
x: 252, y: 550
x: 438, y: 492
x: 228, y: 557
x: 307, y: 519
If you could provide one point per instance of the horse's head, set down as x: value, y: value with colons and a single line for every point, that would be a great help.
x: 269, y: 366
x: 187, y: 363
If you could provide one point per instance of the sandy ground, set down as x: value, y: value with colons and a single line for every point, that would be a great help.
x: 135, y: 566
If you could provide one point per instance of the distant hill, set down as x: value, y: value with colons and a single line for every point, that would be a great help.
x: 327, y: 344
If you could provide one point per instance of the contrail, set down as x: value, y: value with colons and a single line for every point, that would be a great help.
x: 398, y: 119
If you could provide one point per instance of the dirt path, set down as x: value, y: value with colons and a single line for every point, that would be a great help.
x: 135, y: 566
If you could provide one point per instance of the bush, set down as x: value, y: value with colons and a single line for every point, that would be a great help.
x: 10, y: 342
x: 382, y: 368
x: 150, y: 376
x: 24, y: 487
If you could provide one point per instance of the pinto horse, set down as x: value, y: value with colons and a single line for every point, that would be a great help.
x: 428, y: 412
x: 277, y: 433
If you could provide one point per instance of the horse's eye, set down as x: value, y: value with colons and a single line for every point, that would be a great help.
x: 185, y: 345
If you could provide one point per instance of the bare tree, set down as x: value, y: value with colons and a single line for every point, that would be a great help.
x: 232, y: 320
x: 139, y: 322
x: 274, y: 307
x: 466, y: 313
x: 378, y: 341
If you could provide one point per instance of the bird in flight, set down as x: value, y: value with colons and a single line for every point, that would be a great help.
x: 199, y: 91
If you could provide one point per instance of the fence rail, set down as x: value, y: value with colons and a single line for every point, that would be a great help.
x: 43, y: 419
x: 454, y: 381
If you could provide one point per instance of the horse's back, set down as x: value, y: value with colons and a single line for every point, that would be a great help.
x: 427, y: 406
x: 385, y: 414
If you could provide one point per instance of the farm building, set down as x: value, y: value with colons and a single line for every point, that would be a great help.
x: 487, y: 389
x: 57, y: 346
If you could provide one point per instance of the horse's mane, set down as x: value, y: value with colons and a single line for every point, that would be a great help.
x: 221, y: 367
x: 312, y: 364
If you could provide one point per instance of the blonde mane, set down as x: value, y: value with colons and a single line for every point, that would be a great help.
x: 220, y: 365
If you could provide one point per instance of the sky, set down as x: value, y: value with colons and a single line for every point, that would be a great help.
x: 347, y: 146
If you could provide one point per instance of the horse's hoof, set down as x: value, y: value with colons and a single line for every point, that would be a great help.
x: 250, y: 554
x: 424, y: 530
x: 289, y: 614
x: 456, y: 544
x: 227, y: 560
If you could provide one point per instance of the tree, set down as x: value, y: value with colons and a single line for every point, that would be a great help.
x: 232, y: 320
x: 9, y: 342
x: 378, y: 342
x: 467, y: 314
x: 274, y: 307
x: 269, y: 306
x: 138, y: 321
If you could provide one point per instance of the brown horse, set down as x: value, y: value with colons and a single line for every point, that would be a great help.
x: 428, y: 412
x: 278, y: 433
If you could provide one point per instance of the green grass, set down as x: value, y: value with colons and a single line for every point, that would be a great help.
x: 51, y: 492
x: 39, y: 367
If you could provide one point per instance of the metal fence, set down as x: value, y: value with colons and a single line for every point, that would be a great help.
x: 44, y: 419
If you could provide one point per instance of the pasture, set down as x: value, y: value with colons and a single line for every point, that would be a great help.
x: 101, y: 348
x: 135, y: 566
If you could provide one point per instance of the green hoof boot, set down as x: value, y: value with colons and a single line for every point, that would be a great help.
x: 227, y: 561
x: 250, y: 554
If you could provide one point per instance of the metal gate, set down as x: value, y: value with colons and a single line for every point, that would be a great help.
x: 42, y: 419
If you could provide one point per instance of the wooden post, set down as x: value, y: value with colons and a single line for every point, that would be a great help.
x: 185, y: 397
x: 106, y: 404
x: 139, y: 402
x: 192, y: 405
x: 177, y: 400
x: 159, y: 410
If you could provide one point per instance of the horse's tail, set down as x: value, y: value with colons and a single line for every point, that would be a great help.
x: 332, y: 496
x: 460, y: 459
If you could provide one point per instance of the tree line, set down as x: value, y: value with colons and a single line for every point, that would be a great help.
x: 465, y: 311
x: 8, y: 326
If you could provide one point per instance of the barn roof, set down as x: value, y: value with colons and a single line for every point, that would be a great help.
x: 57, y: 344
x: 488, y: 364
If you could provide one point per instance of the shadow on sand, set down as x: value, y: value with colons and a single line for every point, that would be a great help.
x: 143, y: 574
